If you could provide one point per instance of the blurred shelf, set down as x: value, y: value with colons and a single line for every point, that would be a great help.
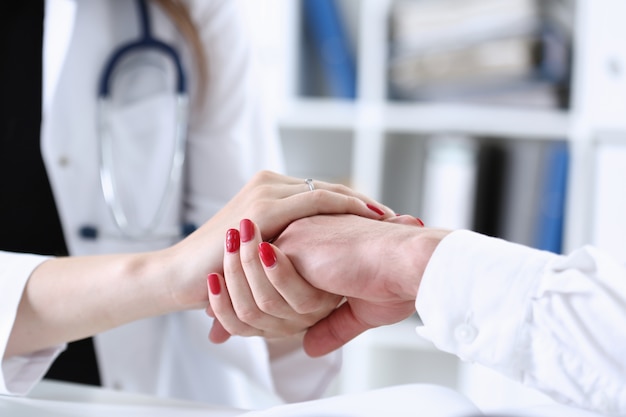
x: 319, y: 114
x: 427, y: 118
x: 477, y: 120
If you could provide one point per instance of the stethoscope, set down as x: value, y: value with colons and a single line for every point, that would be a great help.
x: 108, y: 182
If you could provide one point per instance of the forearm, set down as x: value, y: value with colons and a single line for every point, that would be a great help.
x: 70, y: 298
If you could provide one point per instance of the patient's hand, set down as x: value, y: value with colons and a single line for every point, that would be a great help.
x: 377, y: 265
x: 260, y: 293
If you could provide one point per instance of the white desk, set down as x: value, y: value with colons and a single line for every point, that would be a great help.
x: 54, y: 399
x: 58, y: 399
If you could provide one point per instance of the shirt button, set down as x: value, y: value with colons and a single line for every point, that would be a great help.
x: 64, y: 161
x: 465, y: 333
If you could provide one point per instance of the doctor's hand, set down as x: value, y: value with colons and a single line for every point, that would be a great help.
x: 272, y: 201
x: 376, y: 265
x: 246, y: 302
x: 70, y: 298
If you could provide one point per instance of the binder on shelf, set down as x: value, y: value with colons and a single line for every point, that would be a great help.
x: 492, y: 160
x: 522, y: 190
x: 326, y: 27
x: 551, y: 208
x: 479, y: 51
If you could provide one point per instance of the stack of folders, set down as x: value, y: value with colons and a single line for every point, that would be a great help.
x: 513, y: 52
x: 510, y: 189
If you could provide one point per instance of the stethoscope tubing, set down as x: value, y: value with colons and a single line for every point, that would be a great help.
x: 106, y: 159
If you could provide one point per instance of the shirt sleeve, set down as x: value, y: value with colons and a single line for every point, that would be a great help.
x: 549, y: 321
x: 18, y: 374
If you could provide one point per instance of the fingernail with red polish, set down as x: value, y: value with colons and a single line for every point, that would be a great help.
x: 246, y: 228
x: 266, y: 252
x: 375, y: 209
x: 232, y: 240
x: 214, y: 284
x: 419, y: 221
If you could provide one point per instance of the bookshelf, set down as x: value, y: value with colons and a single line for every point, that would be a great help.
x: 377, y: 146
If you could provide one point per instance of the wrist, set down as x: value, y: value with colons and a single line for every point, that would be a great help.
x: 417, y: 252
x: 183, y: 268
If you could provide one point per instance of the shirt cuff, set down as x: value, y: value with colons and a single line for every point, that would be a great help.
x: 473, y: 297
x: 18, y: 374
x: 21, y: 373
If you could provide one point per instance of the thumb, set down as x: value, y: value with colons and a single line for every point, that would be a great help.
x: 333, y: 331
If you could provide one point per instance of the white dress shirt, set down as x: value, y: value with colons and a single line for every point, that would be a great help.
x: 552, y: 322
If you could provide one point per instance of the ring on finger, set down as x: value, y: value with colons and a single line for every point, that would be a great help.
x: 309, y: 182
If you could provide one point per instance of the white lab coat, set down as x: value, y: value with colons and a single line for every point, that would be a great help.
x: 229, y: 139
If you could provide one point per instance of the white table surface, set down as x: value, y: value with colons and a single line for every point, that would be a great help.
x: 56, y: 399
x: 60, y: 399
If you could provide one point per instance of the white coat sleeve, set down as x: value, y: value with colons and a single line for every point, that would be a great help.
x: 552, y: 322
x: 18, y: 374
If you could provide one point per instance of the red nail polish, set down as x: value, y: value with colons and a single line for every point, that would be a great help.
x: 214, y: 284
x: 246, y: 228
x: 266, y: 252
x: 375, y: 209
x: 419, y: 221
x: 232, y: 240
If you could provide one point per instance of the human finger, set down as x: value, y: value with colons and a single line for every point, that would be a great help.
x: 225, y: 294
x: 265, y: 295
x: 218, y: 334
x: 333, y: 331
x: 294, y: 304
x: 273, y: 217
x: 279, y: 186
x: 236, y: 308
x: 302, y: 297
x: 406, y: 219
x: 223, y: 311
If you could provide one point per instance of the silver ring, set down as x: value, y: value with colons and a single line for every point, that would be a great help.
x: 309, y: 182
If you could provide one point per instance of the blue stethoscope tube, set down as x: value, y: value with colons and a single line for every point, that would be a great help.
x: 146, y: 41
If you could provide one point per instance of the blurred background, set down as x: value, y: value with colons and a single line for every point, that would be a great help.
x: 502, y: 116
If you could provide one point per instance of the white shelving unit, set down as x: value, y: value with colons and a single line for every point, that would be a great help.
x: 346, y: 141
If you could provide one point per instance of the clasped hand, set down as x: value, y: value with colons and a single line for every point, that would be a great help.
x: 331, y: 276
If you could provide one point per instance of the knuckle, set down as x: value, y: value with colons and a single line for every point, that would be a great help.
x: 236, y: 329
x: 249, y: 315
x: 271, y: 306
x: 308, y: 305
x: 321, y: 198
x: 262, y: 177
x: 259, y: 206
